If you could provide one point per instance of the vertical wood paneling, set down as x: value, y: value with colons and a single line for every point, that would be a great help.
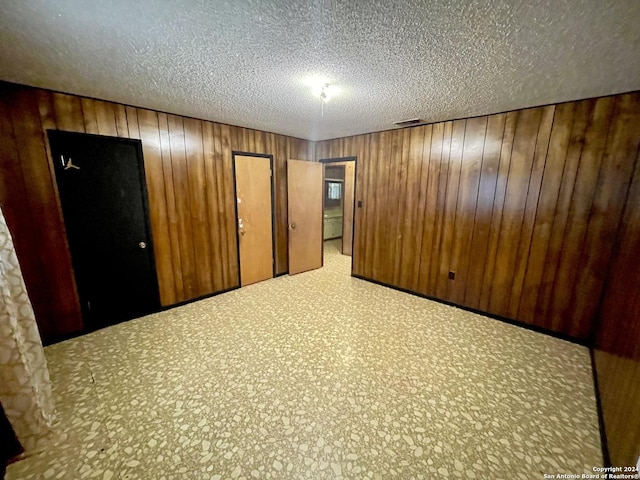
x: 14, y: 201
x: 198, y: 205
x: 546, y: 209
x: 498, y: 208
x: 513, y: 210
x: 53, y: 262
x: 106, y: 118
x: 618, y: 326
x: 223, y: 148
x: 409, y: 209
x: 132, y: 122
x: 531, y: 205
x: 441, y: 142
x: 427, y: 208
x: 535, y: 244
x: 401, y: 206
x: 523, y: 206
x: 183, y: 205
x: 89, y: 116
x: 618, y: 163
x: 150, y: 136
x: 68, y: 112
x: 189, y: 182
x: 560, y: 313
x: 584, y: 111
x: 450, y: 207
x: 394, y: 180
x: 484, y: 209
x: 424, y: 274
x: 466, y: 205
x: 212, y: 204
x: 228, y: 212
x: 382, y: 223
x: 122, y: 128
x: 617, y: 337
x: 619, y: 387
x: 172, y: 211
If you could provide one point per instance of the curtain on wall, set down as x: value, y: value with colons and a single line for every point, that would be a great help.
x: 25, y: 388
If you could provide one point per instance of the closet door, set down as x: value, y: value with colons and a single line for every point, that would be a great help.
x: 103, y: 194
x: 255, y: 217
x: 305, y: 189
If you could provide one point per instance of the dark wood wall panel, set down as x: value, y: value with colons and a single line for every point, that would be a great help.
x: 619, y: 388
x: 188, y: 166
x: 29, y: 205
x: 523, y: 207
x: 617, y: 357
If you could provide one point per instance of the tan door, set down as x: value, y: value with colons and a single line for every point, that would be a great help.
x: 347, y: 203
x: 253, y: 188
x: 304, y: 184
x: 347, y: 209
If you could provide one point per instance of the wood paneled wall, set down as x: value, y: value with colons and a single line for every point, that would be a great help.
x: 190, y: 185
x: 619, y: 390
x: 523, y: 206
x: 617, y: 355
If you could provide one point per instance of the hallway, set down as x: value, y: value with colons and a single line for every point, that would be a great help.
x: 318, y: 375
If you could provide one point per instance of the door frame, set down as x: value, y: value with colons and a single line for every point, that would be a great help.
x: 137, y: 144
x: 354, y: 159
x: 235, y: 208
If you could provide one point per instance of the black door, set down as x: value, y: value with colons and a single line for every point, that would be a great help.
x: 105, y: 208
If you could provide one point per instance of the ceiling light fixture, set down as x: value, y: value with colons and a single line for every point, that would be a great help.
x: 321, y: 88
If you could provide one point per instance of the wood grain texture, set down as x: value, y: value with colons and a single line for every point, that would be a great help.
x: 348, y: 208
x: 619, y: 388
x: 483, y: 214
x: 305, y: 215
x: 523, y: 206
x: 253, y: 190
x: 618, y: 328
x: 150, y: 133
x: 617, y: 337
x: 189, y: 180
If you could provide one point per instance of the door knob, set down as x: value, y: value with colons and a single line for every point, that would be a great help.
x: 292, y: 226
x: 142, y: 245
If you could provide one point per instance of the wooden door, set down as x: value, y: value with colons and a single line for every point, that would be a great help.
x: 255, y: 219
x: 103, y: 194
x: 348, y: 206
x: 305, y: 189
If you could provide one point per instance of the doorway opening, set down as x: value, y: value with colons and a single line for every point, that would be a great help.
x: 339, y: 204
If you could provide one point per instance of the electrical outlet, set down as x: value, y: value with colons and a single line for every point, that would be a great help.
x: 452, y: 275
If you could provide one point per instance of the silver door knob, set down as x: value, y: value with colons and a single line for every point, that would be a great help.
x: 142, y: 245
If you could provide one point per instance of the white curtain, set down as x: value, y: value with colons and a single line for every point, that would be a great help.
x: 25, y: 388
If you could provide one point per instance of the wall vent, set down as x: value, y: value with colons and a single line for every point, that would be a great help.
x: 408, y: 123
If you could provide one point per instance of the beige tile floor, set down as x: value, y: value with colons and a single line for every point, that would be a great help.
x: 318, y: 375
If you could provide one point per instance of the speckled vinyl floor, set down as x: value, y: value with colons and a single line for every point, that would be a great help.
x: 317, y: 376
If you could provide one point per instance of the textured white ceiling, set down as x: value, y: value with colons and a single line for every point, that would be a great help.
x: 245, y: 62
